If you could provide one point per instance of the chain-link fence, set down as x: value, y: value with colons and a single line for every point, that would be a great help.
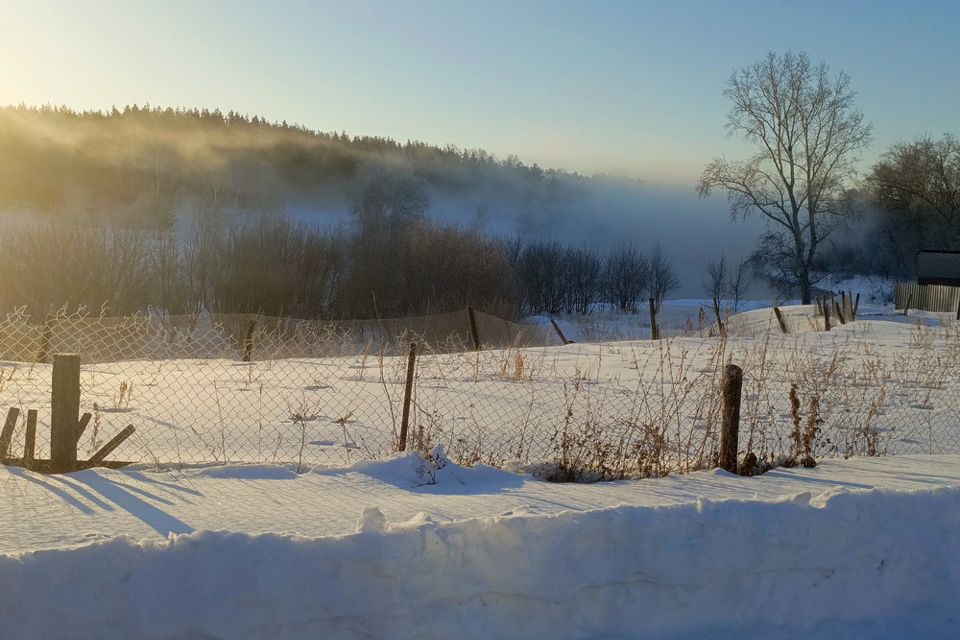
x: 249, y: 389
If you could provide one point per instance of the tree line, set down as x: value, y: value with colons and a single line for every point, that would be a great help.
x: 137, y: 165
x: 390, y: 261
x: 135, y: 171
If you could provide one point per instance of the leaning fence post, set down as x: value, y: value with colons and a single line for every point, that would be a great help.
x: 856, y: 307
x: 65, y: 409
x: 407, y: 395
x: 909, y: 300
x: 556, y: 328
x: 783, y: 325
x: 730, y: 429
x: 654, y: 332
x: 837, y: 310
x: 97, y: 459
x: 6, y: 436
x: 474, y: 334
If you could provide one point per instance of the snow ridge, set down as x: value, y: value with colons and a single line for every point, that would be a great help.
x: 847, y: 563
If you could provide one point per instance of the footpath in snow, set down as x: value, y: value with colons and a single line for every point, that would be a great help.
x: 853, y: 549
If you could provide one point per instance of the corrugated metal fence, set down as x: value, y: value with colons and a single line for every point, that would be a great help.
x: 929, y: 297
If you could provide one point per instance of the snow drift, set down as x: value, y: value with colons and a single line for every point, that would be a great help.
x: 844, y: 563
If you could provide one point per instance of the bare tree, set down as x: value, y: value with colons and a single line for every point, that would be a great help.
x: 389, y: 199
x: 541, y: 274
x: 808, y: 134
x: 47, y: 266
x: 583, y: 271
x: 715, y: 283
x: 738, y: 284
x: 166, y: 261
x: 626, y: 276
x: 920, y: 181
x: 663, y: 276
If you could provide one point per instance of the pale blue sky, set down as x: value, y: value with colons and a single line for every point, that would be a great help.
x: 632, y: 87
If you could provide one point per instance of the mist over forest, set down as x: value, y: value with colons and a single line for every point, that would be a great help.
x: 201, y: 209
x: 142, y: 167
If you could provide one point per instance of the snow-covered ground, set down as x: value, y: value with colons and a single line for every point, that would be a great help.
x: 852, y: 549
x: 404, y: 548
x: 885, y: 381
x: 677, y: 317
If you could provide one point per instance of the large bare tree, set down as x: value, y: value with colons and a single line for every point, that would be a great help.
x: 808, y: 135
x: 920, y: 181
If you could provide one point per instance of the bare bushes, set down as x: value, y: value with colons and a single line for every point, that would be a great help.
x: 46, y: 267
x: 800, y: 405
x: 649, y: 409
x: 612, y: 432
x: 556, y: 278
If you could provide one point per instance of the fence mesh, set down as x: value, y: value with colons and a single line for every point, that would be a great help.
x: 251, y: 389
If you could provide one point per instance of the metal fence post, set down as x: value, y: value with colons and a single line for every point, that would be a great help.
x: 407, y: 396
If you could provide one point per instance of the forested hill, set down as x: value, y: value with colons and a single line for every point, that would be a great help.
x: 141, y: 163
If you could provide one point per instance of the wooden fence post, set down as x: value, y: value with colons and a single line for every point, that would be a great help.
x: 82, y: 425
x: 654, y: 332
x: 836, y: 309
x: 474, y: 334
x: 716, y: 312
x: 907, y: 307
x: 556, y: 328
x: 30, y: 439
x: 6, y: 436
x: 856, y: 307
x: 826, y: 315
x: 783, y: 325
x: 101, y: 455
x: 65, y: 410
x: 407, y: 396
x: 730, y: 429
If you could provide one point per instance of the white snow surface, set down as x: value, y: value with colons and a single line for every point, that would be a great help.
x: 860, y: 548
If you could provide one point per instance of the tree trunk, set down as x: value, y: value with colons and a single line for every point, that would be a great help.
x: 805, y: 287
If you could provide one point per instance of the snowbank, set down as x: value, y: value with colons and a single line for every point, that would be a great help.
x: 799, y: 319
x: 845, y: 563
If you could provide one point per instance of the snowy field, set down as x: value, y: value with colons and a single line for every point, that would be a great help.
x: 859, y: 548
x: 883, y: 384
x: 266, y: 502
